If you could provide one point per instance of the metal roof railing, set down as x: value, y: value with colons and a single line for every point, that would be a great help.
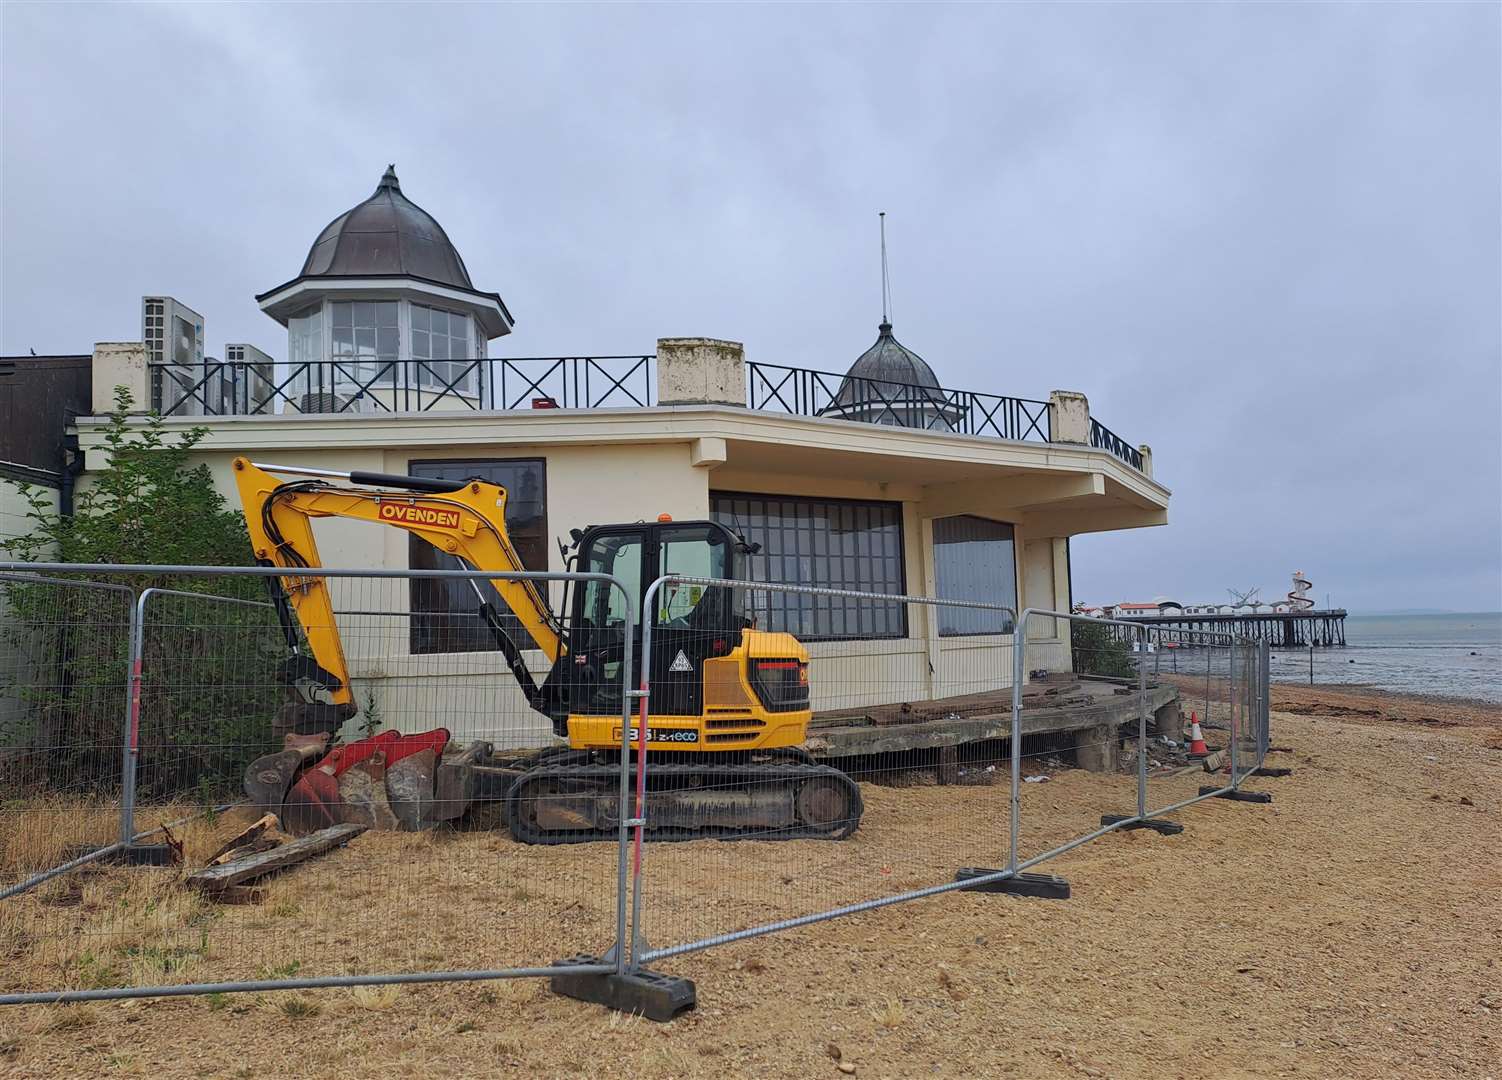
x: 214, y: 388
x: 804, y: 392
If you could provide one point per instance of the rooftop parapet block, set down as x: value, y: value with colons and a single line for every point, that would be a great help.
x: 700, y: 371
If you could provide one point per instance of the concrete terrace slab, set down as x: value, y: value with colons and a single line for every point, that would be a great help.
x: 970, y: 718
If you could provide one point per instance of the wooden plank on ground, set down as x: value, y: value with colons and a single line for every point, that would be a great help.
x: 255, y: 847
x: 242, y: 838
x: 214, y: 878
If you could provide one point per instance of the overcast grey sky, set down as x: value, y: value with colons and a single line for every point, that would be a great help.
x: 1265, y: 239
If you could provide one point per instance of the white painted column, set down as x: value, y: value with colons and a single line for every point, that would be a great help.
x: 1061, y: 597
x: 930, y: 613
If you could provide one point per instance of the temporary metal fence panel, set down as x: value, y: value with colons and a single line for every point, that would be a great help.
x: 64, y: 666
x: 1176, y: 769
x: 1263, y: 692
x: 212, y: 692
x: 989, y: 770
x: 1241, y: 753
x: 905, y: 780
x: 1249, y: 727
x: 205, y: 698
x: 961, y: 735
x: 1077, y: 759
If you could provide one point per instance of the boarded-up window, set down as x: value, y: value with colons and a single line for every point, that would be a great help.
x: 974, y: 559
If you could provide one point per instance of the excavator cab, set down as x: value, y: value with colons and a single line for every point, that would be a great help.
x: 717, y: 683
x: 697, y: 620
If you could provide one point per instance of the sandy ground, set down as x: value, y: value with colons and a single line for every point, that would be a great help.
x: 1352, y: 928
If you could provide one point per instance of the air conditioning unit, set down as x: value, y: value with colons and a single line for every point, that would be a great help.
x: 328, y: 402
x: 246, y: 382
x: 179, y: 390
x: 173, y: 334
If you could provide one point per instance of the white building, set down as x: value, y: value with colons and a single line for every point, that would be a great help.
x: 861, y: 480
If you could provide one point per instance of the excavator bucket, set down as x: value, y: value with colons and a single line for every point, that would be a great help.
x: 313, y: 803
x: 411, y: 774
x: 387, y: 781
x: 363, y: 792
x: 410, y: 782
x: 268, y: 778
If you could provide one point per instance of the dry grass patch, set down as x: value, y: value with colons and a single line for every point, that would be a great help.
x: 890, y: 1015
x: 376, y: 998
x: 955, y: 985
x: 64, y: 1018
x: 299, y: 1008
x: 38, y: 834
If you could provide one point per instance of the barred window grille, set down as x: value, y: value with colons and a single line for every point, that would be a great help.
x: 829, y: 543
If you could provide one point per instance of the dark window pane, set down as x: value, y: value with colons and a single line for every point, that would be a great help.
x: 822, y: 542
x: 445, y: 613
x: 604, y: 608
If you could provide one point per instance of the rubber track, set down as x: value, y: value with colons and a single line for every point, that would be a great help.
x: 608, y: 776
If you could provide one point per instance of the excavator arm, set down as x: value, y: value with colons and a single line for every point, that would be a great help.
x: 465, y: 520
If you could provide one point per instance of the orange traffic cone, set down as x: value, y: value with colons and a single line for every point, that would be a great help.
x: 1197, y: 747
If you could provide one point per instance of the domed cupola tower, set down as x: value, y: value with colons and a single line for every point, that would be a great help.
x: 384, y: 315
x: 889, y: 383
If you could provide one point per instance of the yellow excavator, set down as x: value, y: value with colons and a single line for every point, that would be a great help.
x: 728, y: 705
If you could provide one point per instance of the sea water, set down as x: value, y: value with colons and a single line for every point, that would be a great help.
x: 1456, y: 656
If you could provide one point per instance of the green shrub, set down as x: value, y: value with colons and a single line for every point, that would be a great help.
x: 148, y: 505
x: 208, y: 689
x: 1097, y: 651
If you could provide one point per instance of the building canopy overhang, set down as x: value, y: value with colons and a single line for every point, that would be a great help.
x: 1056, y: 489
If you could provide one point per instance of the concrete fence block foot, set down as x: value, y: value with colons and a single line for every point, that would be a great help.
x: 140, y: 855
x: 1157, y: 825
x: 1237, y: 795
x: 642, y: 992
x: 1042, y: 886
